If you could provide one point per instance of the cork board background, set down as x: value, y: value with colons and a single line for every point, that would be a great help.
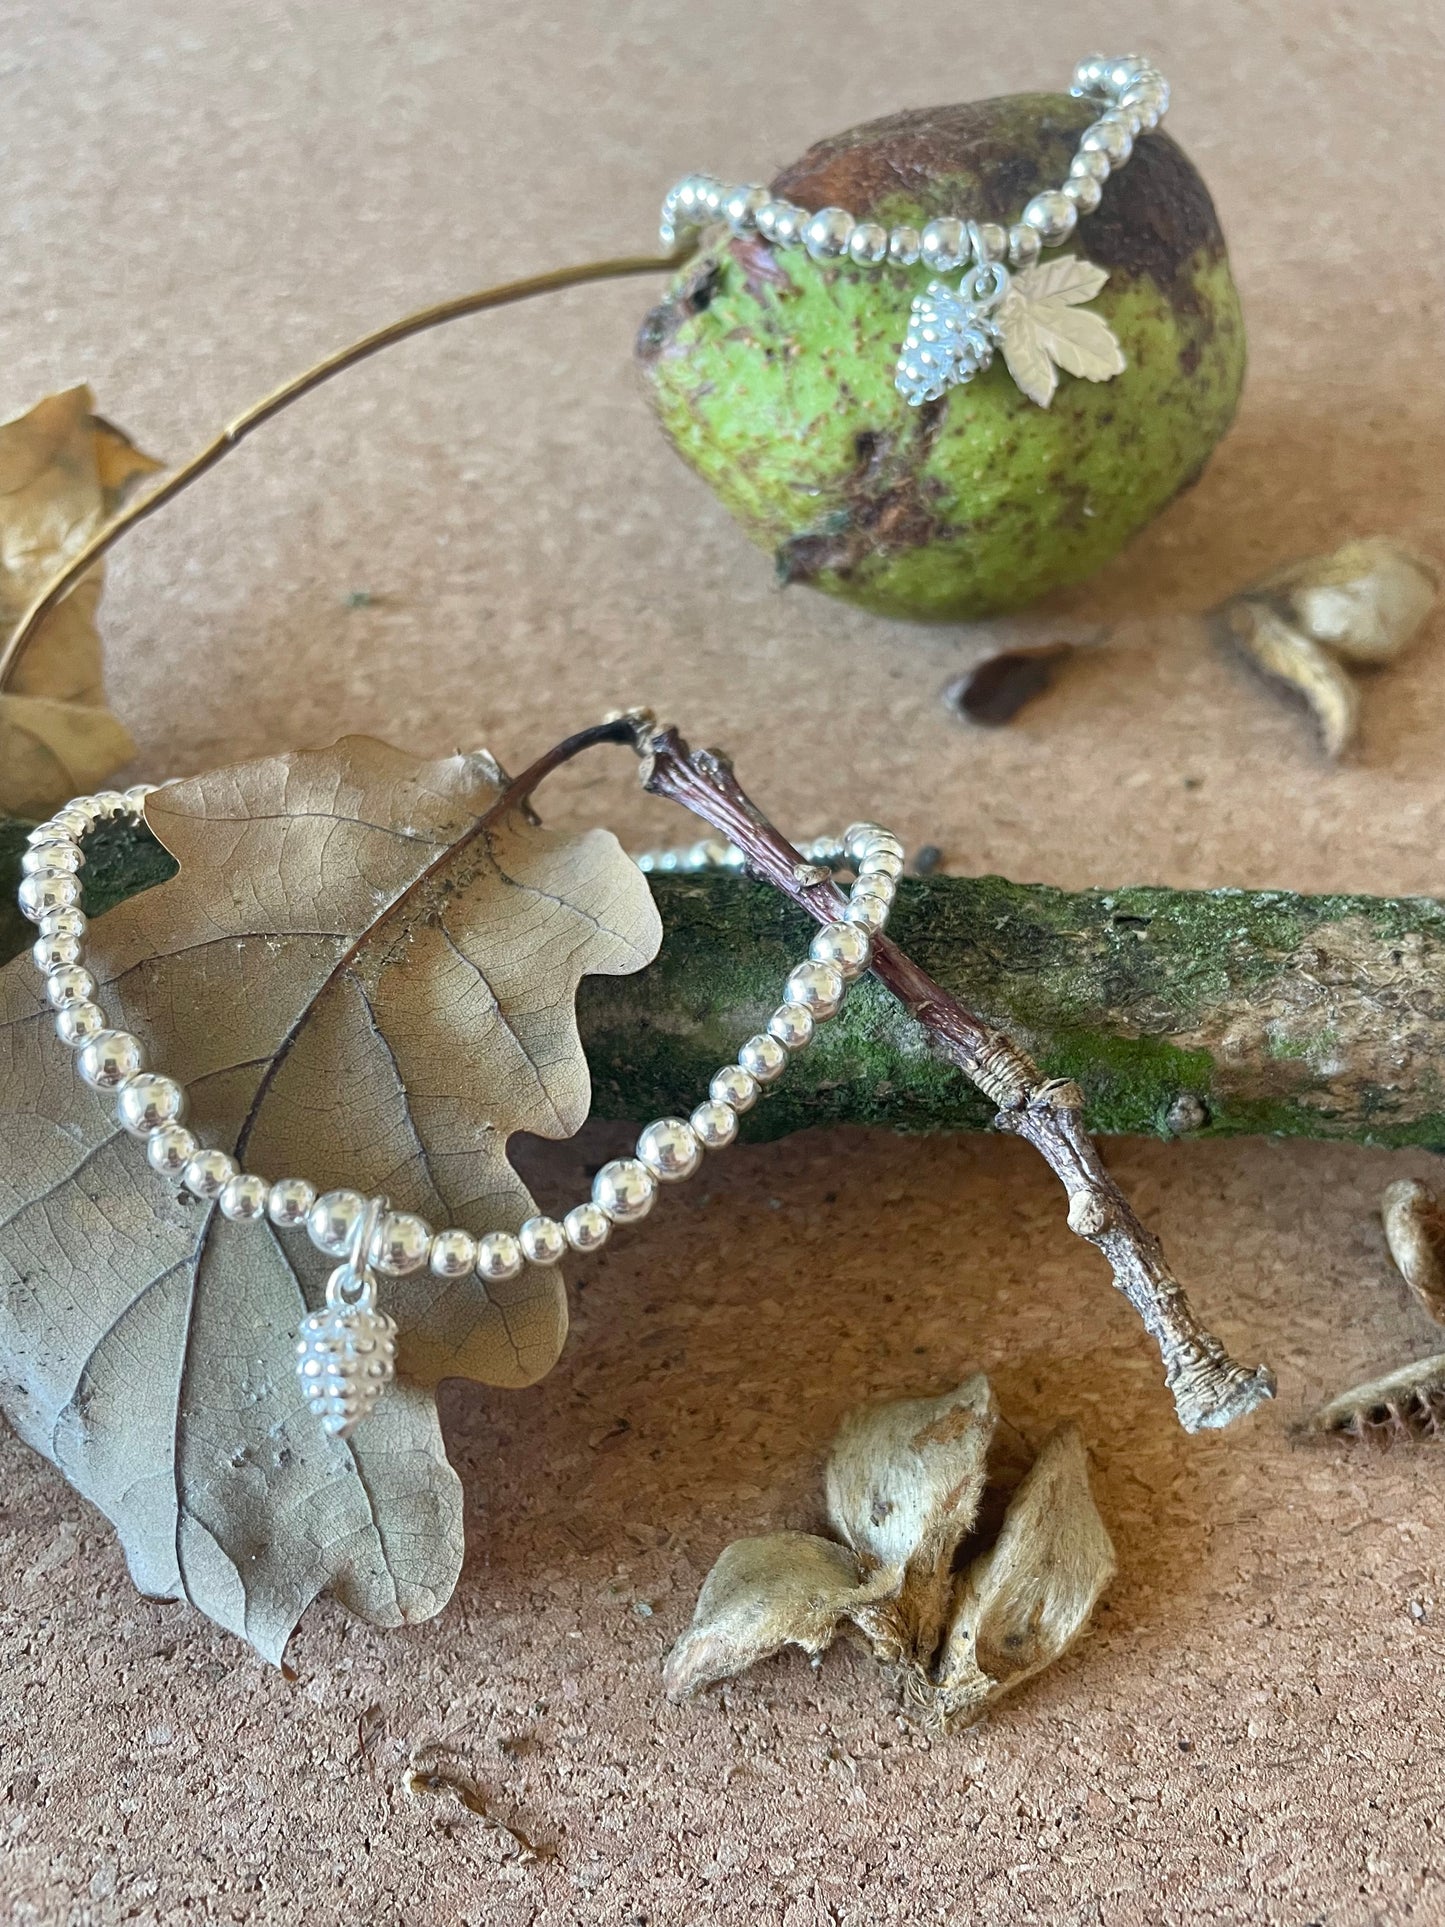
x: 203, y: 195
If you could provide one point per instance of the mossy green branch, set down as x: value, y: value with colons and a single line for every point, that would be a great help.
x: 1180, y: 1012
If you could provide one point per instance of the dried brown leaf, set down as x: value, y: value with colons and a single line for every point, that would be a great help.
x: 64, y: 472
x: 903, y: 1483
x: 1022, y: 1603
x: 363, y: 982
x: 784, y: 1589
x: 1289, y: 656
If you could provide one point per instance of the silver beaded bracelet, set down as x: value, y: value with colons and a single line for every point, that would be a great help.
x: 346, y: 1351
x: 1004, y: 299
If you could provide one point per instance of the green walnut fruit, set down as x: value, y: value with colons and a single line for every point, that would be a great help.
x: 772, y: 373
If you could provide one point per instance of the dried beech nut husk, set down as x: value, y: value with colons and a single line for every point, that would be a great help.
x: 909, y: 1483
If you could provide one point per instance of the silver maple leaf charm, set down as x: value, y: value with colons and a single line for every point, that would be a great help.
x: 1034, y: 316
x: 1042, y: 328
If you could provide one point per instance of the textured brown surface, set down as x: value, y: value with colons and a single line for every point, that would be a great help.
x: 198, y: 199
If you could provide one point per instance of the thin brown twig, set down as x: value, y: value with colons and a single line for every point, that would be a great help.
x: 271, y: 405
x: 1209, y: 1388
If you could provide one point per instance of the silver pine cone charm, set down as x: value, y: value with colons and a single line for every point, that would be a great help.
x: 345, y: 1358
x: 949, y: 341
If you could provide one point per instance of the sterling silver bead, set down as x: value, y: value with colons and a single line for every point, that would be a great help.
x: 78, y: 1024
x: 880, y: 889
x: 1024, y: 245
x: 39, y: 896
x: 740, y: 208
x: 1124, y: 70
x: 707, y: 854
x: 52, y: 859
x: 868, y: 244
x: 1091, y: 161
x: 827, y: 849
x: 818, y: 987
x: 944, y: 244
x: 208, y: 1173
x: 54, y: 953
x: 716, y: 1125
x: 827, y: 233
x: 867, y: 912
x: 333, y: 1220
x: 785, y: 223
x: 1107, y: 136
x: 735, y: 1087
x: 688, y: 208
x: 499, y: 1256
x: 587, y: 1227
x: 792, y: 1025
x: 243, y: 1200
x: 109, y: 1059
x: 70, y: 984
x: 289, y: 1202
x: 844, y: 946
x: 859, y: 838
x: 63, y: 923
x: 107, y: 805
x: 987, y: 241
x: 1053, y: 214
x: 625, y: 1189
x: 400, y: 1244
x: 147, y: 1101
x: 1089, y: 75
x: 1146, y: 102
x: 669, y: 1149
x: 905, y: 244
x: 881, y: 862
x: 543, y: 1241
x: 170, y: 1149
x: 1084, y: 191
x: 453, y: 1254
x: 763, y: 1058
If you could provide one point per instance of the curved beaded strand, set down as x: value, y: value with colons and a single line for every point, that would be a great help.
x: 1135, y: 96
x: 345, y: 1350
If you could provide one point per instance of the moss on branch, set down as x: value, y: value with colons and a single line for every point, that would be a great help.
x: 1181, y: 1013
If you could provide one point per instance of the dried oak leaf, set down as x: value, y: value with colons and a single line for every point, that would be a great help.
x: 64, y: 472
x: 365, y: 974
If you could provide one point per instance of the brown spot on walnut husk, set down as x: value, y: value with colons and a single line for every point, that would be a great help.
x: 1156, y: 217
x: 888, y: 504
